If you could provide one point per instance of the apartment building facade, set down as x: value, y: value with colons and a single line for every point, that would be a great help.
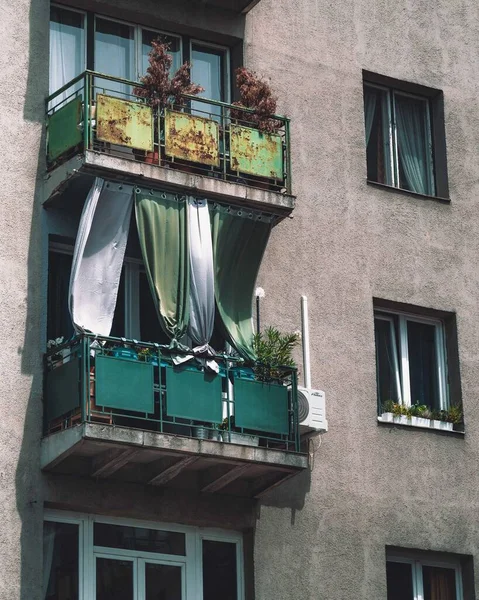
x: 116, y: 481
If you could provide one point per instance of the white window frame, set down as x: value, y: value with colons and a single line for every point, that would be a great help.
x: 190, y: 563
x: 226, y: 74
x: 391, y: 94
x: 418, y: 562
x: 402, y: 361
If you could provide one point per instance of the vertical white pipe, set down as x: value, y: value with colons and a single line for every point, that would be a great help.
x: 305, y: 341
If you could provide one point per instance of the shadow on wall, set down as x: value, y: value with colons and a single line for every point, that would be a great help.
x: 28, y: 477
x: 291, y: 494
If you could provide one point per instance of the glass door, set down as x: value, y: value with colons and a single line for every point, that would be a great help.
x: 208, y: 69
x: 161, y: 580
x: 115, y: 578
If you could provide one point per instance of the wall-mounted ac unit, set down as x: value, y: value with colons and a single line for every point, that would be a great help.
x: 311, y: 410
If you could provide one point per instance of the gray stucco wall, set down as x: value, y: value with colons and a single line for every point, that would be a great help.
x: 347, y: 243
x: 323, y: 536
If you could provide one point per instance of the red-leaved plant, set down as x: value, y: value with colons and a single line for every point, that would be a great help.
x: 255, y: 93
x: 159, y: 89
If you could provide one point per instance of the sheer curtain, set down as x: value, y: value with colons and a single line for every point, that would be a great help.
x: 206, y: 70
x: 115, y: 54
x: 67, y: 49
x: 413, y: 143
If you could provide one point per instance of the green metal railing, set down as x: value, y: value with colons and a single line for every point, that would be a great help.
x: 101, y: 113
x: 128, y: 383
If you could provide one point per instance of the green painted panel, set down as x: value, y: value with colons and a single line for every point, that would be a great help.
x: 63, y: 129
x: 261, y: 406
x: 124, y: 384
x: 192, y: 138
x: 255, y: 152
x: 124, y: 123
x: 193, y: 395
x: 63, y: 389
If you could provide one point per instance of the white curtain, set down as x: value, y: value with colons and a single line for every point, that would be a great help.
x: 115, y: 54
x: 98, y: 256
x: 48, y: 546
x: 67, y: 50
x: 206, y: 71
x: 202, y: 292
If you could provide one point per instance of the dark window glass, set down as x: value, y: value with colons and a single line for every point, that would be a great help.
x: 163, y: 582
x: 219, y: 570
x: 386, y: 361
x: 399, y: 581
x: 114, y: 579
x: 150, y: 328
x: 439, y: 583
x: 58, y: 321
x: 60, y: 561
x: 139, y: 538
x: 376, y: 115
x: 423, y: 367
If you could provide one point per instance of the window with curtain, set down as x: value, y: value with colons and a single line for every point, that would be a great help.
x: 208, y: 66
x: 410, y: 360
x: 399, y: 144
x: 424, y: 579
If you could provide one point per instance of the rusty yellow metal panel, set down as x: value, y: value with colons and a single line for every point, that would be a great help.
x: 192, y: 138
x: 124, y: 123
x: 256, y: 153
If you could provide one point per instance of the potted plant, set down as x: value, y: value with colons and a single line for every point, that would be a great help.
x: 274, y: 353
x: 387, y: 413
x: 159, y: 89
x: 231, y: 435
x: 55, y: 358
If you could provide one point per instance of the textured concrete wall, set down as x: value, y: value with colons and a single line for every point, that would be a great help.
x: 23, y: 56
x: 347, y: 243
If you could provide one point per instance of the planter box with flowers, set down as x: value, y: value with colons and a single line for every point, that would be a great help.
x: 420, y: 415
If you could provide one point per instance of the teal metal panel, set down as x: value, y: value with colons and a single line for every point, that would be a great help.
x: 63, y: 389
x: 256, y: 153
x: 261, y: 406
x: 124, y: 384
x: 193, y: 395
x: 63, y: 128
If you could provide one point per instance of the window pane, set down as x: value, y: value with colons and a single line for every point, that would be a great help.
x: 114, y: 579
x: 439, y: 583
x: 139, y: 538
x: 60, y: 561
x: 423, y: 367
x: 174, y: 48
x: 414, y: 144
x: 150, y: 328
x: 207, y: 70
x: 163, y: 582
x: 219, y: 570
x: 399, y: 581
x: 67, y: 48
x: 387, y: 368
x: 114, y: 54
x: 59, y: 323
x: 376, y: 118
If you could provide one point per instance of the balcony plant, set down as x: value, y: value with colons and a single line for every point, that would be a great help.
x: 159, y: 89
x: 256, y: 94
x: 422, y: 415
x: 274, y: 352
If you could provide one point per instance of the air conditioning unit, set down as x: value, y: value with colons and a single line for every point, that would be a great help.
x: 311, y: 410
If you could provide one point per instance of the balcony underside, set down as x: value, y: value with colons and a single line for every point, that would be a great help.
x: 77, y: 174
x: 159, y: 459
x: 238, y: 6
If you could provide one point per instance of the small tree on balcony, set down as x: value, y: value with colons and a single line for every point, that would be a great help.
x: 256, y: 94
x: 158, y: 88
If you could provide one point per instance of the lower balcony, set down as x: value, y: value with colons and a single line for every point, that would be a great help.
x: 137, y: 412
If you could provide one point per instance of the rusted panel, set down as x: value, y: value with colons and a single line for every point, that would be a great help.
x: 256, y: 153
x: 64, y: 131
x: 124, y: 123
x: 192, y: 138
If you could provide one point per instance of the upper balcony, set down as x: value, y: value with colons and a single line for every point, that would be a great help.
x: 96, y: 125
x: 123, y: 409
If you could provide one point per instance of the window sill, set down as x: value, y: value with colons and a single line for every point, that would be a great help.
x: 418, y: 422
x: 391, y: 188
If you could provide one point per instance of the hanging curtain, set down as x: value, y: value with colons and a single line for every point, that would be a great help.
x: 370, y: 97
x: 239, y: 241
x: 412, y: 143
x: 202, y: 290
x: 441, y: 583
x: 98, y: 256
x: 115, y: 54
x: 161, y: 219
x: 67, y: 49
x: 49, y: 529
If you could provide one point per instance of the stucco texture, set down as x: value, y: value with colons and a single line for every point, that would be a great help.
x: 349, y: 242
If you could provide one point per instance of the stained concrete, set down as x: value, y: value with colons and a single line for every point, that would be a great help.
x: 348, y: 242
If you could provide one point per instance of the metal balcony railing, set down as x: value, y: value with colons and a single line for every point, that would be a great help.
x: 136, y: 384
x: 100, y: 113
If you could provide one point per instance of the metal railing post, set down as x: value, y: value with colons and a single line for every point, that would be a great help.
x: 86, y: 116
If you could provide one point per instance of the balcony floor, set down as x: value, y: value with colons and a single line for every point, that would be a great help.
x: 160, y: 459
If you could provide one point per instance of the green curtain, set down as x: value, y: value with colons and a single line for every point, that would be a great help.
x: 162, y: 228
x: 239, y: 241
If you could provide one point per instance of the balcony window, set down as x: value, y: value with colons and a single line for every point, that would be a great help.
x: 92, y: 557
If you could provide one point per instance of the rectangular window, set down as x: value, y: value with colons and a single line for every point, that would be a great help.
x: 60, y: 560
x: 410, y: 360
x: 423, y: 579
x: 405, y: 139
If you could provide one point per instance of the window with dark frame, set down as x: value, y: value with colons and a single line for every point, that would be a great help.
x: 405, y: 137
